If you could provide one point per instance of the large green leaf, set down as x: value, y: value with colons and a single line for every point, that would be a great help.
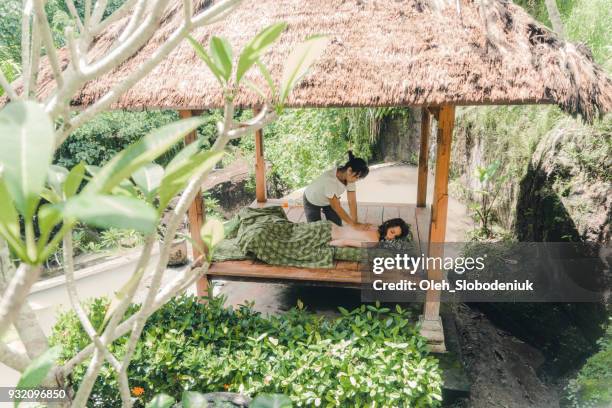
x: 221, y: 52
x: 138, y: 154
x: 161, y: 401
x: 38, y: 369
x: 299, y: 61
x: 256, y: 47
x: 148, y: 178
x: 107, y: 211
x: 178, y: 174
x: 26, y: 152
x: 271, y: 401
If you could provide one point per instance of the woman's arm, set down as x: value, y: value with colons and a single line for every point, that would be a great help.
x: 337, y: 207
x: 352, y: 201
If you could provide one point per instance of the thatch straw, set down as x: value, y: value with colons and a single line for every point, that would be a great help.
x: 381, y: 53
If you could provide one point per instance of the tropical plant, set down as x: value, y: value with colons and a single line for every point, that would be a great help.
x: 369, y: 356
x: 129, y: 191
x: 490, y: 183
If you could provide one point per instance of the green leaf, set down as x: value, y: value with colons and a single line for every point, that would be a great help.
x: 160, y: 401
x: 299, y: 61
x: 268, y: 77
x: 144, y: 151
x: 201, y: 52
x: 255, y: 88
x: 9, y: 222
x: 26, y: 152
x: 148, y: 178
x: 107, y: 211
x: 271, y: 401
x: 74, y: 179
x: 212, y: 232
x: 178, y: 174
x: 49, y: 216
x: 38, y: 369
x: 256, y: 47
x: 222, y: 55
x: 56, y: 177
x: 192, y: 399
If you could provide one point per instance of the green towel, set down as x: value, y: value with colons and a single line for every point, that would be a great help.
x: 267, y: 235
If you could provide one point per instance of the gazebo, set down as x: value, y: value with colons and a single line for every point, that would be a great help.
x: 432, y: 54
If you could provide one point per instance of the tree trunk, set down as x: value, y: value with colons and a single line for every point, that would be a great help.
x: 555, y: 17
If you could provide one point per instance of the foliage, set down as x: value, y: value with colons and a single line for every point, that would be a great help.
x: 98, y: 141
x: 490, y: 184
x: 367, y: 356
x: 591, y: 387
x: 304, y: 142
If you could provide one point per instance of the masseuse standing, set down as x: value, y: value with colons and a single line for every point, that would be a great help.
x: 324, y: 193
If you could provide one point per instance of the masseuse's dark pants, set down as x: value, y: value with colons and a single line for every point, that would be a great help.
x: 313, y: 212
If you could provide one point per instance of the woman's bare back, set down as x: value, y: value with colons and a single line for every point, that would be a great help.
x: 348, y: 236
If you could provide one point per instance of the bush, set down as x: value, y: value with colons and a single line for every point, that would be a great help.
x: 369, y: 356
x: 592, y: 387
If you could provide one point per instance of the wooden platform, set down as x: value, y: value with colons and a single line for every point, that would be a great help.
x: 344, y: 274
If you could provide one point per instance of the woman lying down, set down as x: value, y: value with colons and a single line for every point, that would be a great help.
x: 267, y: 235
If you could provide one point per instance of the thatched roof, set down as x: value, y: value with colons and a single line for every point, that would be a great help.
x: 381, y: 53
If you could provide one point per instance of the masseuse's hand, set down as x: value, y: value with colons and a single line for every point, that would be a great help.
x: 363, y: 227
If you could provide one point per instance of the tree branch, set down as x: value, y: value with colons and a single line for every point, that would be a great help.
x: 15, y: 294
x: 47, y: 38
x: 113, y: 95
x: 13, y: 358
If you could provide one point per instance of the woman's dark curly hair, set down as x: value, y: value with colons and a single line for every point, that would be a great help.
x: 393, y: 222
x: 359, y: 166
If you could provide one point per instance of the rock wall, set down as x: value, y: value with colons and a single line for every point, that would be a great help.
x: 399, y: 138
x: 559, y: 197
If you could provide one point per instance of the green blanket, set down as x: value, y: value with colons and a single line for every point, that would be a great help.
x: 267, y: 235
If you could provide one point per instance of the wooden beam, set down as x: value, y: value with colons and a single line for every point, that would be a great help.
x: 439, y: 207
x: 260, y: 166
x: 196, y: 214
x: 423, y: 159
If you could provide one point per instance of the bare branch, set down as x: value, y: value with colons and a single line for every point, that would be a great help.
x: 30, y: 332
x: 75, y: 15
x: 113, y: 95
x: 47, y: 38
x: 76, y: 303
x: 98, y: 13
x: 35, y: 52
x: 170, y: 290
x: 15, y: 294
x: 16, y: 359
x: 134, y: 20
x: 187, y: 10
x: 10, y: 92
x: 25, y: 46
x: 115, y: 16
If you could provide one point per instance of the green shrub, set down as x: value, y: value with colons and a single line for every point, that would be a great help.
x: 592, y: 387
x: 369, y: 356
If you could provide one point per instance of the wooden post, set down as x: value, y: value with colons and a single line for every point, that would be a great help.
x: 260, y: 167
x: 431, y: 322
x: 196, y: 214
x: 421, y: 200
